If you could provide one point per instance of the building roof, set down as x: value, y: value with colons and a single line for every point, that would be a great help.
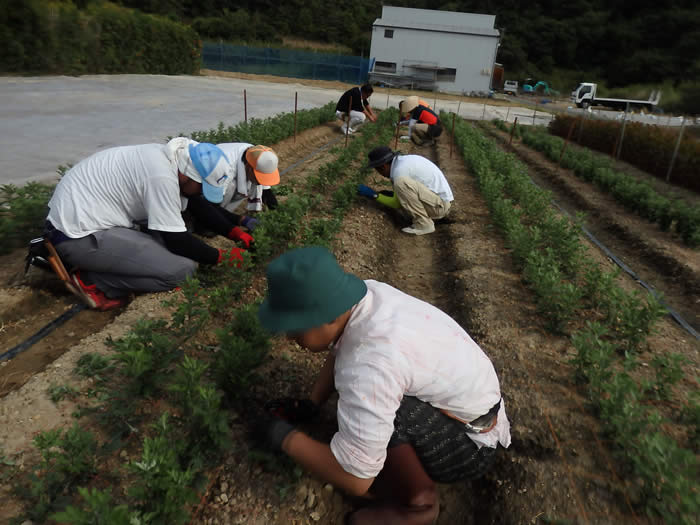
x: 438, y: 21
x: 482, y: 31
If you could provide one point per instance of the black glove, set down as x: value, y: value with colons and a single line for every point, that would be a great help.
x: 294, y: 411
x: 270, y: 431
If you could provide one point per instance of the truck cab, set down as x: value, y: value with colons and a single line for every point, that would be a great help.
x: 584, y: 94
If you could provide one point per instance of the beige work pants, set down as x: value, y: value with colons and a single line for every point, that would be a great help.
x: 419, y: 202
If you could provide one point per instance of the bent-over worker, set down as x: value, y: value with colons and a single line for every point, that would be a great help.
x: 420, y: 188
x: 253, y: 172
x: 419, y: 402
x: 423, y: 123
x: 358, y: 111
x: 97, y: 206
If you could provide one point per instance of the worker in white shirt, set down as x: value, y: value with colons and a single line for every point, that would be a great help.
x: 418, y: 401
x: 254, y: 170
x: 115, y: 219
x: 420, y: 188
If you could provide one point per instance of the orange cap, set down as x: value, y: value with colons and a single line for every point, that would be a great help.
x: 264, y: 163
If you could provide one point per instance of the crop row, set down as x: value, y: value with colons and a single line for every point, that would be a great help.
x: 569, y: 287
x: 650, y: 148
x: 635, y: 195
x: 23, y: 209
x: 189, y: 371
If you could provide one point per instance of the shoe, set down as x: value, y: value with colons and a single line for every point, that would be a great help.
x: 93, y: 297
x: 418, y: 231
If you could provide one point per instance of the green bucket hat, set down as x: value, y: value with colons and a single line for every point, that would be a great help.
x: 307, y: 288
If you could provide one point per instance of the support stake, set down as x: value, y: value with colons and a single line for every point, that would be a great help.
x: 453, y: 134
x: 347, y: 125
x: 295, y: 115
x: 622, y: 133
x: 675, y: 150
x: 512, y: 130
x: 566, y: 142
x: 245, y: 107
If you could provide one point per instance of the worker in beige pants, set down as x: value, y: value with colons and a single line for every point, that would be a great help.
x: 422, y: 204
x: 420, y: 188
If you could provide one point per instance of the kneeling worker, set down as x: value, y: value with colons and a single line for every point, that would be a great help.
x: 423, y: 123
x: 420, y: 188
x: 358, y: 111
x: 253, y: 172
x: 419, y: 402
x: 95, y: 209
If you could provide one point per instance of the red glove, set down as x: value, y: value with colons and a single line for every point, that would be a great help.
x: 236, y: 234
x: 231, y: 257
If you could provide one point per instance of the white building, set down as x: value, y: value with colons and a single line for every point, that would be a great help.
x: 435, y: 50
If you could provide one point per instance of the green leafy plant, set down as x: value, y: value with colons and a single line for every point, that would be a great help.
x: 60, y: 392
x: 67, y: 457
x: 243, y: 346
x: 205, y: 421
x: 161, y: 489
x: 97, y: 509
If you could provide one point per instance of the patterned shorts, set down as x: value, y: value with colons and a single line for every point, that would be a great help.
x: 441, y: 443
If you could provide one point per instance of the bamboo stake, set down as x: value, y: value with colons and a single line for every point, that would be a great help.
x: 512, y: 130
x: 566, y: 142
x: 396, y: 135
x: 675, y: 151
x: 295, y: 116
x: 245, y: 107
x: 347, y: 125
x: 453, y: 134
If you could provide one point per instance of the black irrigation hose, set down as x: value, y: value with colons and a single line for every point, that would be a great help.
x: 44, y: 331
x: 79, y: 307
x: 676, y: 316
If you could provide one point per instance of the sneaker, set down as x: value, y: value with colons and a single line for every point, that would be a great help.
x: 418, y: 231
x: 93, y: 297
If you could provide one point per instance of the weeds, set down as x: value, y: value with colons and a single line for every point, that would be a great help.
x: 58, y: 393
x: 66, y: 458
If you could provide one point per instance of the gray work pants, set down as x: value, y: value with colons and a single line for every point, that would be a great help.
x: 121, y: 260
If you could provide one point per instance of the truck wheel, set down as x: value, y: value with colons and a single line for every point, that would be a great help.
x: 585, y: 104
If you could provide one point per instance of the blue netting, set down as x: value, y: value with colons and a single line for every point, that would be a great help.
x: 285, y: 62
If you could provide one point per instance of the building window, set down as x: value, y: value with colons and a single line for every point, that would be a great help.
x: 448, y: 74
x: 388, y: 33
x: 385, y: 67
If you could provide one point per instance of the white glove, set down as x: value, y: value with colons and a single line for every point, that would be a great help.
x: 405, y: 137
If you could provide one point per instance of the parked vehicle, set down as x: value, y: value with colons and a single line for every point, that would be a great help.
x: 584, y: 96
x: 510, y: 86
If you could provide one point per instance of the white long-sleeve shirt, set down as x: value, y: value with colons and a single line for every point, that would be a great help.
x: 395, y: 345
x: 240, y: 188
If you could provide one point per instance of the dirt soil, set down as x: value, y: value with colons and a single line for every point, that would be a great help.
x: 558, y: 469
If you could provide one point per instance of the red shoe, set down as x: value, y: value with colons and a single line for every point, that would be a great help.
x: 93, y: 297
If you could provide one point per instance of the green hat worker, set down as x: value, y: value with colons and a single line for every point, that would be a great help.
x: 419, y: 402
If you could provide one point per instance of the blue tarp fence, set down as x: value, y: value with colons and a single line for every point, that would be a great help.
x: 284, y: 62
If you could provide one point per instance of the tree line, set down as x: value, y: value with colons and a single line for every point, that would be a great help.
x: 610, y: 40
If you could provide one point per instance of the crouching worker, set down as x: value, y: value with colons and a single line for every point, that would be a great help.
x: 359, y: 109
x: 95, y: 209
x: 423, y: 123
x: 253, y: 172
x: 419, y: 402
x: 420, y: 188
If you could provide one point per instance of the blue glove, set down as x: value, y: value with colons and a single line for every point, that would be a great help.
x: 366, y: 191
x: 249, y: 222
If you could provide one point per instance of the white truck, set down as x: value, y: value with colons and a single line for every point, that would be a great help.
x: 510, y: 86
x: 584, y: 96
